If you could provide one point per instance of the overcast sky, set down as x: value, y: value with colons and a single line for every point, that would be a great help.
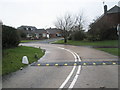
x: 43, y: 13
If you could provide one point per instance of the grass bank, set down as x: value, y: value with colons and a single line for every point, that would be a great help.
x: 113, y: 51
x: 12, y: 58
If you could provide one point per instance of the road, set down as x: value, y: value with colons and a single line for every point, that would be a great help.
x: 65, y: 76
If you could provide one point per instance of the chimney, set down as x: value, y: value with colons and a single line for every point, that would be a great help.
x: 105, y: 9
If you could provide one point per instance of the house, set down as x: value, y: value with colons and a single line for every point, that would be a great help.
x: 105, y: 26
x: 28, y: 30
x: 34, y: 33
x: 40, y: 33
x: 54, y: 32
x: 111, y: 16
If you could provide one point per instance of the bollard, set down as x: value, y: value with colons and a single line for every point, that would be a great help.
x: 25, y: 60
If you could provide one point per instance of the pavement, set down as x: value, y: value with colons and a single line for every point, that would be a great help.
x: 66, y: 76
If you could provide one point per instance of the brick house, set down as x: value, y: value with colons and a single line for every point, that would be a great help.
x: 54, y: 32
x: 111, y: 16
x: 40, y: 33
x: 105, y: 26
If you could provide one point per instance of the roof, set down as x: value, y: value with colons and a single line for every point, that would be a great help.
x: 115, y: 9
x: 40, y: 31
x: 22, y: 27
x: 53, y: 30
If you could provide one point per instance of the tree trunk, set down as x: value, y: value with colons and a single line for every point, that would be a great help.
x: 65, y: 40
x: 65, y: 36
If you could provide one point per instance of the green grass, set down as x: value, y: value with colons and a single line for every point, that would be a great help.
x: 24, y: 41
x: 12, y: 58
x: 113, y: 51
x: 88, y: 43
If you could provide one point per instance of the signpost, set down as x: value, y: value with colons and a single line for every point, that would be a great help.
x: 118, y: 32
x: 118, y: 29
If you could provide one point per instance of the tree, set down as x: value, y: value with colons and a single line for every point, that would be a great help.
x: 79, y: 21
x: 78, y: 31
x: 71, y: 26
x: 65, y: 23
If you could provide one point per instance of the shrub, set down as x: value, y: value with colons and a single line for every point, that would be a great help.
x: 78, y: 35
x: 10, y: 37
x: 22, y: 34
x: 109, y: 34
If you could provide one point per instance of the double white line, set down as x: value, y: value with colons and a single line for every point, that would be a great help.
x: 77, y: 58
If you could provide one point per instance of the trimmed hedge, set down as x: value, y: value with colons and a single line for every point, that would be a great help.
x: 10, y: 37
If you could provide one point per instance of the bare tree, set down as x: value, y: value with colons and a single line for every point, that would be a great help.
x: 69, y: 24
x: 65, y: 23
x: 78, y: 23
x: 78, y: 27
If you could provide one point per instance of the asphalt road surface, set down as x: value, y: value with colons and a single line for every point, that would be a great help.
x: 66, y: 76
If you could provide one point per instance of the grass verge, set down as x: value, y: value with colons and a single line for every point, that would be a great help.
x: 12, y: 58
x: 113, y: 51
x: 88, y: 43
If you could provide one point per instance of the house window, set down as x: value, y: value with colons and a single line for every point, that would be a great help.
x: 58, y: 35
x: 29, y: 28
x: 44, y: 35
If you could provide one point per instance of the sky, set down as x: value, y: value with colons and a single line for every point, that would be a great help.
x: 44, y: 13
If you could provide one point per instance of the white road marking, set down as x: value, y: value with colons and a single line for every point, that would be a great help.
x: 69, y: 76
x: 76, y: 56
x: 77, y: 74
x: 70, y: 52
x: 66, y: 80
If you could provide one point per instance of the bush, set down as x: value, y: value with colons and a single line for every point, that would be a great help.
x: 22, y: 34
x: 109, y: 34
x: 78, y: 35
x: 10, y: 37
x: 102, y: 34
x: 91, y: 38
